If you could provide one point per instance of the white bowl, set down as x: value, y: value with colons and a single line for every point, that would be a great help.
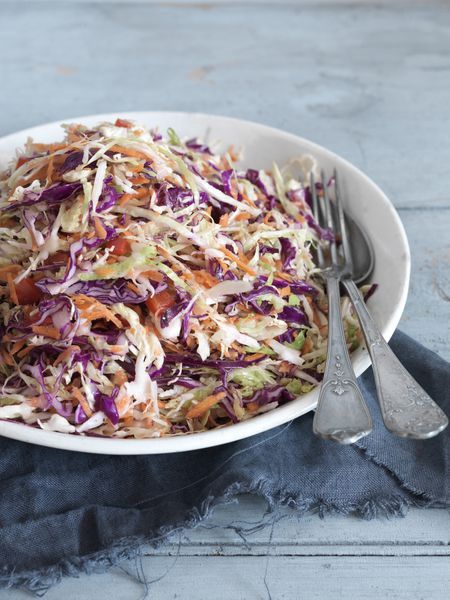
x: 262, y: 146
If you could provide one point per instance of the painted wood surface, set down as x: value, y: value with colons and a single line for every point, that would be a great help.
x: 369, y: 80
x: 307, y: 558
x: 275, y: 577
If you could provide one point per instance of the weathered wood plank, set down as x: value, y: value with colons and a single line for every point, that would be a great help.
x: 207, y: 3
x: 278, y: 578
x: 428, y: 306
x: 422, y: 531
x: 393, y: 554
x: 372, y: 86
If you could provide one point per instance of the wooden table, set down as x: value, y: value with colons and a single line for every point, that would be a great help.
x: 369, y: 80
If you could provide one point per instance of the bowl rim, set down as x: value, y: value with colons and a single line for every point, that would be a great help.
x: 278, y: 416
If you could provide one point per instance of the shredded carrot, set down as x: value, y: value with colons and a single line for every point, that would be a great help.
x: 106, y: 271
x: 199, y: 409
x: 65, y: 354
x: 307, y: 346
x: 124, y: 199
x: 324, y: 330
x: 21, y: 160
x: 128, y: 152
x: 47, y: 331
x: 240, y: 262
x: 286, y: 291
x: 316, y: 316
x: 170, y: 345
x: 165, y: 253
x: 115, y: 349
x: 252, y: 406
x: 248, y: 200
x: 56, y: 147
x: 233, y: 154
x: 138, y: 180
x: 155, y: 275
x: 76, y: 392
x: 17, y: 346
x: 34, y: 401
x: 254, y: 356
x: 223, y: 221
x: 34, y: 244
x: 204, y: 278
x: 123, y: 404
x: 12, y: 288
x: 190, y: 343
x: 134, y: 288
x: 26, y: 350
x: 138, y: 310
x: 7, y: 222
x: 7, y: 358
x: 11, y: 269
x: 141, y: 192
x: 284, y: 276
x: 100, y: 229
x: 41, y: 175
x: 243, y: 216
x: 136, y: 169
x: 267, y: 217
x: 92, y: 309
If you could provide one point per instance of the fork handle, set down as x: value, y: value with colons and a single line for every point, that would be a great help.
x: 407, y: 410
x: 341, y: 413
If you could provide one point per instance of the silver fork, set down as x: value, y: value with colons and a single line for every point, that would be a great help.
x: 407, y: 410
x: 341, y: 413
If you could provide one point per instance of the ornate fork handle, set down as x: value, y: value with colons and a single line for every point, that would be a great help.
x: 341, y: 413
x: 407, y: 410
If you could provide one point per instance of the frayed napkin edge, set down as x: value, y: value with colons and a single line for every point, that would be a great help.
x: 40, y: 581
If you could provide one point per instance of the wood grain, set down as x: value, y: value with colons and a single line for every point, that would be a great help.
x: 396, y: 559
x: 283, y: 577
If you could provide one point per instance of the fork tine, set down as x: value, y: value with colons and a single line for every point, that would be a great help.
x: 316, y: 213
x: 342, y: 225
x: 329, y: 220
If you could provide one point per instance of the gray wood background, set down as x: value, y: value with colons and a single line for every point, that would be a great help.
x: 368, y: 79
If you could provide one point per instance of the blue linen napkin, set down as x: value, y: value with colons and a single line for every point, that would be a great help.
x: 63, y: 513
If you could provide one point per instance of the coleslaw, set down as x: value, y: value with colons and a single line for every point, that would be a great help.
x: 151, y: 286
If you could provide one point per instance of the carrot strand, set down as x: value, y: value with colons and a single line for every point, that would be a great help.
x: 12, y: 289
x: 240, y: 262
x: 100, y: 229
x: 47, y: 331
x: 199, y: 409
